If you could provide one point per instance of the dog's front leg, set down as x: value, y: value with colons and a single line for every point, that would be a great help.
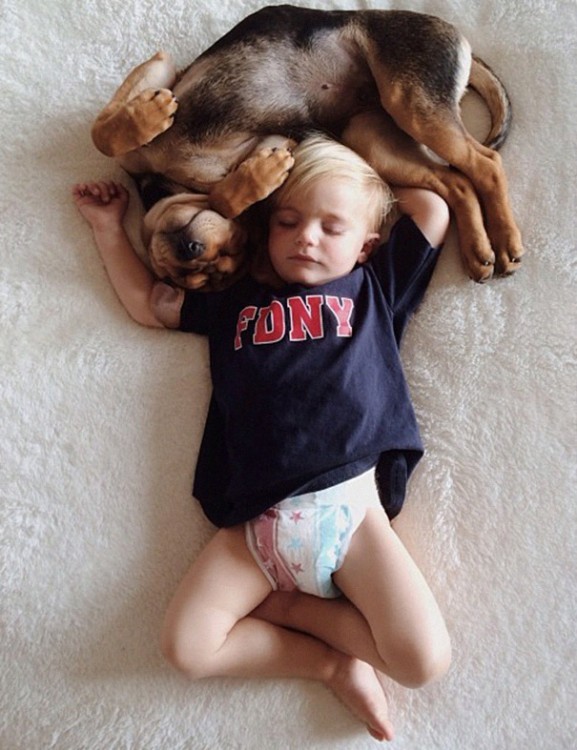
x: 142, y: 108
x: 253, y: 180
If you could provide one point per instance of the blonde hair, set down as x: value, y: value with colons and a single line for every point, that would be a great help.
x: 318, y: 157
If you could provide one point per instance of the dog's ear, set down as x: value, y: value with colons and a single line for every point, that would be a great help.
x: 260, y: 267
x: 153, y: 188
x: 262, y: 271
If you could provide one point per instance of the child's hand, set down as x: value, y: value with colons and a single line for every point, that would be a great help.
x: 103, y: 204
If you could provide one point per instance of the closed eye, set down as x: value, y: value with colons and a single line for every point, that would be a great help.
x: 334, y: 229
x: 285, y: 217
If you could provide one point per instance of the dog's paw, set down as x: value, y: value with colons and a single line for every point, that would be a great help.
x: 252, y: 181
x: 151, y: 113
x: 264, y: 172
x: 508, y: 252
x: 480, y: 272
x: 477, y: 254
x: 503, y: 258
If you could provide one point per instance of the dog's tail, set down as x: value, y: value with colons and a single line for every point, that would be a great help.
x: 491, y: 89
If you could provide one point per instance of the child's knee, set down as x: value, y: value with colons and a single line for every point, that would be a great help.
x: 170, y: 650
x: 182, y: 655
x: 424, y: 663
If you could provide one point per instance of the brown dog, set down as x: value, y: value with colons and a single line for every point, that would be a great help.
x: 383, y: 82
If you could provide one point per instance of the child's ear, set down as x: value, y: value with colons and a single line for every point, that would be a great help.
x: 370, y: 244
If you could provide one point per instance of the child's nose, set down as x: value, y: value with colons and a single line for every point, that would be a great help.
x: 307, y: 235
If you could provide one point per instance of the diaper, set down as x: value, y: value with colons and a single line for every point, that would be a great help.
x: 300, y: 542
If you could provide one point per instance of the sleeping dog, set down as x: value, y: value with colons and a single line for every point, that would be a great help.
x: 385, y: 83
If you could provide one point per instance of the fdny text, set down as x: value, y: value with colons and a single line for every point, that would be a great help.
x: 299, y: 318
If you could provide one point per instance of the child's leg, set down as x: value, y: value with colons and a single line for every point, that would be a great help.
x: 383, y: 581
x: 207, y: 633
x: 391, y: 619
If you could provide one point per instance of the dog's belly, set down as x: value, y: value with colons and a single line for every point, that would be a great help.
x: 286, y: 87
x: 231, y: 99
x: 334, y: 82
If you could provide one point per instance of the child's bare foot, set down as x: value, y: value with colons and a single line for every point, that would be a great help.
x: 356, y: 684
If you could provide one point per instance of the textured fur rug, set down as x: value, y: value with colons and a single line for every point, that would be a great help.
x: 101, y: 421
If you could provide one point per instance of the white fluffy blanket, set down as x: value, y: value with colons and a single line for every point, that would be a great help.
x: 101, y: 421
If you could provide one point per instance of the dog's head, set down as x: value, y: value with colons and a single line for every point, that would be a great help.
x: 192, y: 245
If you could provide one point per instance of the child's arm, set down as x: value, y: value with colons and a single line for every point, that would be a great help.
x: 103, y: 205
x: 427, y: 209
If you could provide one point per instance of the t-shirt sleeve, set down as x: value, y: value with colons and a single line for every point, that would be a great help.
x: 195, y: 312
x: 404, y: 266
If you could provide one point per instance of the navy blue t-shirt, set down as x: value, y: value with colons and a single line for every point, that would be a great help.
x: 308, y: 387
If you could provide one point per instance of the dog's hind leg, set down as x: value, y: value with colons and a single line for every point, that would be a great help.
x: 401, y: 161
x: 421, y: 90
x: 484, y: 168
x: 438, y: 125
x: 142, y: 108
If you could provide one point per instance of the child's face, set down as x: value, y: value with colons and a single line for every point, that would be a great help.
x: 320, y: 234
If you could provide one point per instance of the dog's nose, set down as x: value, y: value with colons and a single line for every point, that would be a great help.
x: 189, y: 249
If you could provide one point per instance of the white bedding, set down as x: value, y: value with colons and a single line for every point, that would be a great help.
x: 101, y: 421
